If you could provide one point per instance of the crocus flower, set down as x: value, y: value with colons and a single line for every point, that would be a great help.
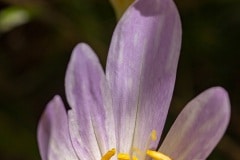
x: 121, y: 114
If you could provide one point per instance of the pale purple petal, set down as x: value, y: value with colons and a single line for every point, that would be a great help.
x: 141, y: 70
x: 53, y: 134
x: 199, y: 127
x: 91, y: 118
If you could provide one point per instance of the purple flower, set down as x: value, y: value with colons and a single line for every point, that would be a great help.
x: 121, y: 114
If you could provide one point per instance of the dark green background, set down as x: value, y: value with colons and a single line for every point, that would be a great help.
x: 34, y: 56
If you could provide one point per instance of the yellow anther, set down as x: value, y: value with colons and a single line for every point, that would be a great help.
x: 109, y: 154
x: 122, y: 156
x: 157, y: 155
x: 154, y: 135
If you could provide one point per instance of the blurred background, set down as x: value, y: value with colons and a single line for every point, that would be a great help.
x: 37, y: 37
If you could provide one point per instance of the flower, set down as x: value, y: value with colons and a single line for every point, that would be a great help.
x: 121, y: 115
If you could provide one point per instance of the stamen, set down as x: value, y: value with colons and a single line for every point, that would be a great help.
x: 122, y: 156
x: 154, y: 135
x: 157, y: 155
x: 137, y: 153
x: 109, y: 154
x: 142, y: 154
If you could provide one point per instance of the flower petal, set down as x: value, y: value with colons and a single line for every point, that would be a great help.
x: 53, y: 134
x: 199, y: 127
x: 91, y: 118
x: 141, y: 70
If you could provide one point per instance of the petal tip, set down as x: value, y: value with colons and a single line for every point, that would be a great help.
x: 81, y: 45
x: 221, y: 94
x: 82, y: 51
x: 224, y: 102
x: 56, y: 98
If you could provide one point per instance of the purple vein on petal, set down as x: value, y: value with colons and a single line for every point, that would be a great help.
x: 91, y: 118
x: 199, y: 127
x: 141, y: 70
x: 53, y: 134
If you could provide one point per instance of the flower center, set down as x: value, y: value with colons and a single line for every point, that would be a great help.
x: 153, y: 154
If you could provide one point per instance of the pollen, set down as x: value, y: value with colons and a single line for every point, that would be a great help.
x: 157, y: 155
